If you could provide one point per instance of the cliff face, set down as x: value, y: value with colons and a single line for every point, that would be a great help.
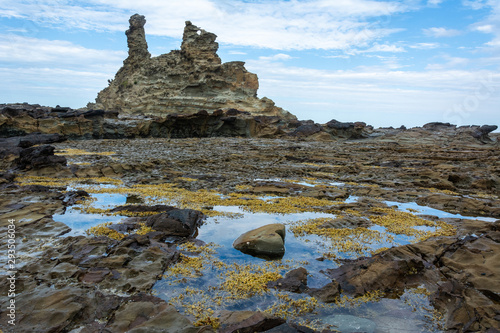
x: 182, y: 82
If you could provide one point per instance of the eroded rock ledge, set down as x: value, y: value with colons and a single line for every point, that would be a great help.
x: 183, y: 81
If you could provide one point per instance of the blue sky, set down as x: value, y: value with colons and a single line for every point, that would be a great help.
x: 388, y: 63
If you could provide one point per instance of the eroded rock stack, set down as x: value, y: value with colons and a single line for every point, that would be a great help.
x: 182, y: 82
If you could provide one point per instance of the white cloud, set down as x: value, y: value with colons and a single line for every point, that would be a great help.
x: 18, y: 49
x: 449, y: 63
x: 475, y: 4
x: 43, y: 71
x: 277, y: 57
x: 381, y: 98
x: 44, y: 85
x: 441, y: 32
x: 487, y: 28
x: 383, y: 48
x: 490, y: 24
x: 434, y: 3
x: 284, y: 25
x: 425, y: 46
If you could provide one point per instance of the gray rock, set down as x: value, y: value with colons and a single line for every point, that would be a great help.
x: 266, y: 242
x: 177, y: 222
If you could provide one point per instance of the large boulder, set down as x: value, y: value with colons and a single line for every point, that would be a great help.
x: 176, y: 222
x: 39, y: 157
x: 266, y: 242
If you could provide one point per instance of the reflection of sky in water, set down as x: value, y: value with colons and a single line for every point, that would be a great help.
x: 424, y: 210
x: 224, y: 230
x: 79, y: 222
x: 302, y: 250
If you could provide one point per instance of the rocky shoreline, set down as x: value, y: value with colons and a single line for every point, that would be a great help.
x: 122, y: 216
x: 101, y: 284
x: 24, y: 119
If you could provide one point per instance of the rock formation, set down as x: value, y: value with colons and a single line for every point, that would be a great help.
x: 265, y: 242
x: 182, y: 82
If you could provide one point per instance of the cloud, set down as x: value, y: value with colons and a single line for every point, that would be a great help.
x: 284, y: 25
x: 434, y: 3
x: 383, y: 48
x: 425, y: 46
x: 490, y: 24
x: 449, y: 62
x: 475, y: 4
x: 441, y: 32
x: 42, y: 52
x: 487, y: 28
x: 53, y: 71
x: 277, y: 57
x: 381, y: 98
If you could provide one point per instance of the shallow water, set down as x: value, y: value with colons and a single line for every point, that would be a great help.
x: 384, y: 314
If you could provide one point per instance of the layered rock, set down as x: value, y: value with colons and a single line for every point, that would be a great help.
x: 182, y: 82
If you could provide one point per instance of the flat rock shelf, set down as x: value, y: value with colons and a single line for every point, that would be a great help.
x: 371, y: 245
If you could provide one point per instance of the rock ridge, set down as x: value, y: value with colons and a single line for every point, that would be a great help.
x: 183, y: 81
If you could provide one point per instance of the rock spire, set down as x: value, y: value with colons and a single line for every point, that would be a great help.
x: 183, y: 81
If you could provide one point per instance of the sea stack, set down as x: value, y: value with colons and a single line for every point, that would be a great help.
x: 183, y: 81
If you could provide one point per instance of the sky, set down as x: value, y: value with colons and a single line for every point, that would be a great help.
x: 387, y: 63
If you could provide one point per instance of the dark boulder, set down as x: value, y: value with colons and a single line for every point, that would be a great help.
x: 39, y: 157
x: 438, y: 126
x: 482, y: 132
x: 294, y: 281
x: 306, y: 130
x: 177, y: 222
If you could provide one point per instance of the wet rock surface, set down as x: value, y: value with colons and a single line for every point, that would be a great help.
x: 457, y: 271
x: 98, y: 284
x: 267, y: 241
x: 247, y: 321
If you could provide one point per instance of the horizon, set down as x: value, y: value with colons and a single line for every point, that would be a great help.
x: 386, y: 63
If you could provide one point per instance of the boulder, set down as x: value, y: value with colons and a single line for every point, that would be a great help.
x: 176, y: 222
x: 327, y: 293
x: 247, y: 322
x: 306, y: 130
x: 347, y: 130
x: 266, y: 242
x: 39, y: 157
x: 294, y: 281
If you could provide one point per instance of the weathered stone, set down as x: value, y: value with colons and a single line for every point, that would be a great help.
x: 182, y: 82
x: 247, y: 322
x: 267, y: 241
x: 306, y: 130
x: 151, y: 316
x: 327, y: 293
x: 294, y: 281
x: 176, y: 222
x: 349, y: 130
x: 39, y: 157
